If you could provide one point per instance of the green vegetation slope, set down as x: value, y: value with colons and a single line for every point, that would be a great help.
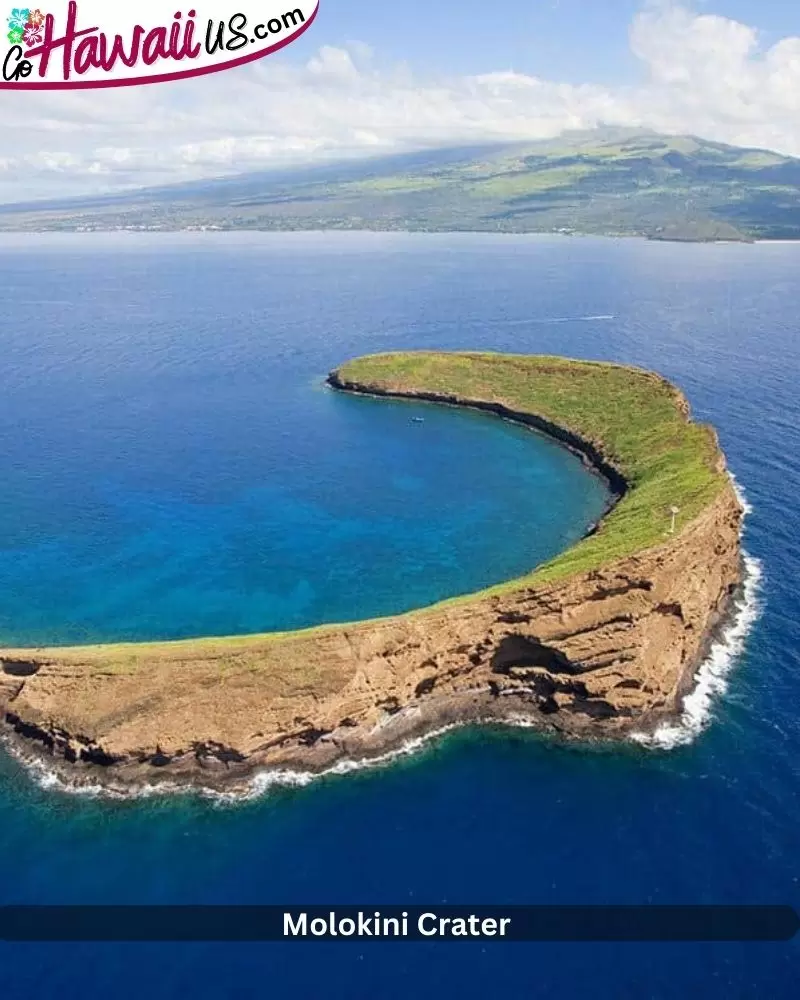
x: 613, y: 182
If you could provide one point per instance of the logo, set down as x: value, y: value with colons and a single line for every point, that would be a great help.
x: 96, y: 43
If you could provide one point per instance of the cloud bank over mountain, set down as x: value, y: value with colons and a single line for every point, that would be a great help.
x: 700, y: 74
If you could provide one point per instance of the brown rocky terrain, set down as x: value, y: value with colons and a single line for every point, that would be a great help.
x: 591, y: 656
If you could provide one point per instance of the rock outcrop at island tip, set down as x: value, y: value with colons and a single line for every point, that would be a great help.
x: 594, y: 655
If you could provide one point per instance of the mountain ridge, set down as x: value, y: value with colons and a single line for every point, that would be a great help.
x: 604, y: 182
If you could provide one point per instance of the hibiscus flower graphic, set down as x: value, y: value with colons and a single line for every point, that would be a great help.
x: 33, y: 35
x: 15, y: 36
x: 35, y: 19
x: 19, y: 18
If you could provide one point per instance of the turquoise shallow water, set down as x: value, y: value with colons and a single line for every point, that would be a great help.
x: 173, y: 465
x: 481, y: 817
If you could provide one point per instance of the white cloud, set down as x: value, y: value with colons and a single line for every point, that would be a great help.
x: 703, y: 74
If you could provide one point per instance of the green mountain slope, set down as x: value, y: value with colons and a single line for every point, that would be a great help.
x: 605, y: 182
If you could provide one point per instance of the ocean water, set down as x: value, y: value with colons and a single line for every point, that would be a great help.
x: 173, y: 465
x: 165, y: 437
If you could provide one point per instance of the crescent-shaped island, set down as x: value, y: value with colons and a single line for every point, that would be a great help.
x: 602, y: 641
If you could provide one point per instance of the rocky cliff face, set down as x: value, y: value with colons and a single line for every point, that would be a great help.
x: 592, y: 656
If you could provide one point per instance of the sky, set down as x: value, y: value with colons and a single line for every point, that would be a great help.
x: 376, y: 76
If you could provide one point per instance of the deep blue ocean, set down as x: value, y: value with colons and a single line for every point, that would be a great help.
x: 172, y: 465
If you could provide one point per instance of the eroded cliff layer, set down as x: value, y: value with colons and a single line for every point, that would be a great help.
x: 590, y: 647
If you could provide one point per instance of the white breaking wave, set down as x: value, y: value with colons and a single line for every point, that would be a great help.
x: 255, y: 787
x: 712, y: 676
x: 741, y: 496
x: 545, y: 320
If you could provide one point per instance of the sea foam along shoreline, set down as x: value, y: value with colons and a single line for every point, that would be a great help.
x: 711, y: 679
x: 698, y: 706
x: 254, y: 787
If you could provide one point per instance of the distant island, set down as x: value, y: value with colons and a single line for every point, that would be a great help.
x: 603, y: 640
x: 611, y: 182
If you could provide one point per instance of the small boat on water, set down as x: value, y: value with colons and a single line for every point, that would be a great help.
x: 418, y: 420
